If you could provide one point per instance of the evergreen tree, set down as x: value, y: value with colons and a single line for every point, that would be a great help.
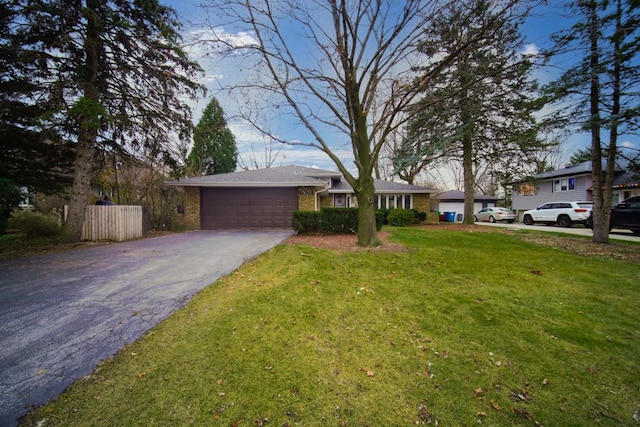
x: 214, y: 146
x: 479, y: 109
x: 30, y: 157
x: 600, y: 92
x: 107, y: 75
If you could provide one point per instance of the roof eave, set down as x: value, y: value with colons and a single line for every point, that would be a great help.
x: 245, y: 184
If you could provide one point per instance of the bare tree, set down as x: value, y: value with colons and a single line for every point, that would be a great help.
x: 344, y: 69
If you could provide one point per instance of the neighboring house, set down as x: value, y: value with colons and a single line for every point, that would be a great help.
x: 266, y: 198
x: 453, y: 201
x: 574, y: 183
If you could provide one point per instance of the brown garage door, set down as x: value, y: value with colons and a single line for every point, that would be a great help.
x: 234, y: 208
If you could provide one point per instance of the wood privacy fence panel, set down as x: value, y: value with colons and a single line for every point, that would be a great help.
x: 112, y: 223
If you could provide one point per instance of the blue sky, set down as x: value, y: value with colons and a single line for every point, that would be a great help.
x: 537, y: 30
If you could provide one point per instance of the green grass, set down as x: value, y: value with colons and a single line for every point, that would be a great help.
x: 19, y: 245
x: 462, y: 327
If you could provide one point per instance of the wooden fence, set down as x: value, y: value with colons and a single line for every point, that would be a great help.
x: 114, y: 222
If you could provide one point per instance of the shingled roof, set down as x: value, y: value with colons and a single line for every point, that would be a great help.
x: 292, y: 176
x: 270, y: 177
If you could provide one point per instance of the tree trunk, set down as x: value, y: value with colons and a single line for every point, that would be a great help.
x: 467, y: 156
x: 600, y: 227
x: 88, y: 111
x: 367, y: 233
x: 81, y: 188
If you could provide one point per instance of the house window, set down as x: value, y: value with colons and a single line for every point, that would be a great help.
x: 392, y: 201
x: 340, y: 200
x: 564, y: 184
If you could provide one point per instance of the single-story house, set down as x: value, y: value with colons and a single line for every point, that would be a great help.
x: 453, y: 201
x: 573, y: 183
x: 266, y: 198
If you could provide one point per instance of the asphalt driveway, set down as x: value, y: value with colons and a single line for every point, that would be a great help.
x: 61, y: 314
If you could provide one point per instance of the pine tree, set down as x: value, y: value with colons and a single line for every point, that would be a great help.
x: 214, y: 146
x: 479, y: 109
x: 600, y: 92
x: 107, y: 75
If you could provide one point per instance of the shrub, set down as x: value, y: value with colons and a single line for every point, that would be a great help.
x: 401, y: 217
x: 385, y: 215
x: 419, y: 216
x: 330, y: 221
x: 339, y: 220
x: 35, y: 224
x: 10, y: 197
x: 307, y: 222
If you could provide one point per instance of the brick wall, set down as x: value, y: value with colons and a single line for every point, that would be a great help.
x: 421, y: 202
x: 190, y: 219
x: 306, y: 198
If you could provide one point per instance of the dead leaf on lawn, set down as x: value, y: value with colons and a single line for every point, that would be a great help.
x: 481, y: 414
x: 522, y: 412
x: 536, y: 272
x: 369, y: 372
x: 424, y: 414
x: 142, y: 374
x: 494, y: 405
x: 478, y: 392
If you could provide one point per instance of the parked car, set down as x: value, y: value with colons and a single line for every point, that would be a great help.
x: 625, y: 214
x: 494, y: 214
x: 564, y: 213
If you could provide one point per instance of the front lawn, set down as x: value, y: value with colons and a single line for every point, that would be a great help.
x: 460, y: 329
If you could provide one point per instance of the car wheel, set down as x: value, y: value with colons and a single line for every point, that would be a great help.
x: 527, y: 220
x: 564, y: 221
x: 492, y: 219
x: 475, y: 218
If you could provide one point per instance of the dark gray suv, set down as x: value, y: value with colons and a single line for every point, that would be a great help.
x: 625, y: 214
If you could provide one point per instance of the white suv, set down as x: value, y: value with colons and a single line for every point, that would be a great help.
x: 564, y: 213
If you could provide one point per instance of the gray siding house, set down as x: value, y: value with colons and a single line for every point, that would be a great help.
x: 574, y: 183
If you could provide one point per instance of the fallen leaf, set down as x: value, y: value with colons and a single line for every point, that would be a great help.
x: 545, y: 381
x: 537, y: 272
x: 219, y: 382
x: 523, y: 413
x: 142, y: 374
x: 481, y: 414
x: 41, y: 372
x: 495, y: 405
x: 424, y: 414
x: 478, y: 392
x: 370, y: 373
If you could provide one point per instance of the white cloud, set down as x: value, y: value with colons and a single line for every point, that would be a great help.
x: 627, y: 144
x: 531, y: 50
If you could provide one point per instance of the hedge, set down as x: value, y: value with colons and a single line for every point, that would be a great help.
x: 330, y: 221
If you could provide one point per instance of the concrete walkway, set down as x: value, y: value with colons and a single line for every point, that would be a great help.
x: 61, y: 314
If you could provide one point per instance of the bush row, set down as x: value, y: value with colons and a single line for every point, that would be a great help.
x: 345, y: 220
x: 34, y: 224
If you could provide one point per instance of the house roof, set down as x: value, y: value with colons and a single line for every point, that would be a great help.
x: 307, y: 171
x: 456, y: 196
x: 384, y: 187
x: 579, y: 169
x: 270, y: 177
x: 292, y: 176
x: 583, y: 168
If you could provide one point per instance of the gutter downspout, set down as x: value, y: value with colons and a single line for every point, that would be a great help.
x: 315, y: 198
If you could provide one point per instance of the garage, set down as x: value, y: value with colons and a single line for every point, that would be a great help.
x: 247, y: 208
